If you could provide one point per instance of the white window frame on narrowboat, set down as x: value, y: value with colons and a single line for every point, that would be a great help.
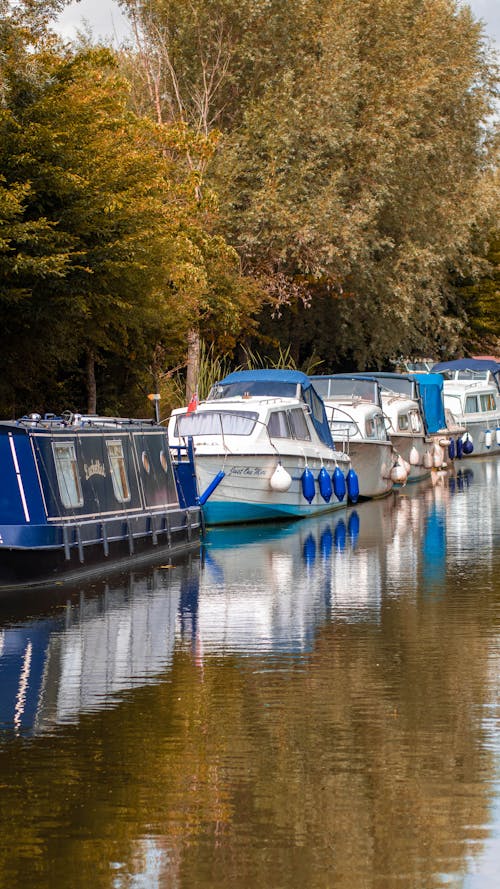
x: 119, y: 477
x: 68, y: 477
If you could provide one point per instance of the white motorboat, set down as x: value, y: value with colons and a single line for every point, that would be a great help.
x: 354, y: 410
x: 472, y: 392
x: 403, y: 409
x: 262, y: 450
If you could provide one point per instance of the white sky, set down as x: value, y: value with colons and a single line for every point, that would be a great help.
x: 107, y: 21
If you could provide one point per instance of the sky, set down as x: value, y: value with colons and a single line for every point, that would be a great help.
x: 106, y: 20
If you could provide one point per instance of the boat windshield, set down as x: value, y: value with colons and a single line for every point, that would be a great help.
x: 254, y: 387
x: 215, y: 423
x: 401, y: 386
x: 350, y: 390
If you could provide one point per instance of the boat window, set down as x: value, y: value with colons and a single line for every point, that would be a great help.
x: 403, y: 422
x: 471, y: 405
x: 215, y: 423
x: 488, y: 402
x: 342, y: 429
x: 277, y: 425
x: 370, y: 427
x: 415, y: 421
x: 68, y: 478
x: 118, y: 470
x: 299, y: 426
x: 316, y: 406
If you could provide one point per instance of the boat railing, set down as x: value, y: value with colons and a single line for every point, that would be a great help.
x: 75, y: 420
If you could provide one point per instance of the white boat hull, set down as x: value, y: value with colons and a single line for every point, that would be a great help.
x: 477, y: 430
x: 372, y: 462
x: 244, y: 494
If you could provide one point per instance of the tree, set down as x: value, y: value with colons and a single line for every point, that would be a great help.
x: 352, y: 151
x: 104, y: 236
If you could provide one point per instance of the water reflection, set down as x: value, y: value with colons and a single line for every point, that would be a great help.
x: 104, y: 640
x: 313, y: 704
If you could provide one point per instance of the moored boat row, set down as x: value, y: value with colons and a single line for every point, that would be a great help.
x: 80, y: 491
x: 269, y: 444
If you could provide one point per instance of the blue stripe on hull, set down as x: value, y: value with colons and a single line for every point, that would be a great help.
x: 218, y: 513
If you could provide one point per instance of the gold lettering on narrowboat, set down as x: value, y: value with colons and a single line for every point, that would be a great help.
x: 94, y: 468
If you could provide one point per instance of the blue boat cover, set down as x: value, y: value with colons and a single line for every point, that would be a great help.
x: 282, y: 383
x: 431, y: 396
x: 477, y: 364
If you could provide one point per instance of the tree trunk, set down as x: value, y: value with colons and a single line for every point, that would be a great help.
x: 193, y: 363
x: 91, y: 384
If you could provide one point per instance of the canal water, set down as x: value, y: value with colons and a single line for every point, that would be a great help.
x: 310, y: 705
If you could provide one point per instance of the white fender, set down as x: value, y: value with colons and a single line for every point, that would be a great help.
x: 437, y: 456
x: 414, y: 457
x: 399, y: 472
x: 280, y: 479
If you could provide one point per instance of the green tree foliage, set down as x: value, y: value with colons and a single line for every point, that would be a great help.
x: 352, y: 153
x: 104, y: 242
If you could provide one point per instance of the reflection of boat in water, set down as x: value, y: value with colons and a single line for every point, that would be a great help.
x: 257, y: 589
x: 65, y: 663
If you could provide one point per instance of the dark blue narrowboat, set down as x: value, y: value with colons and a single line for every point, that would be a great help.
x: 78, y: 491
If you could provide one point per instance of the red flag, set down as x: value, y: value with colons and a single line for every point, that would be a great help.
x: 193, y: 404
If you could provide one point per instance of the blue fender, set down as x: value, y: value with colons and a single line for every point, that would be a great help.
x: 352, y: 486
x: 339, y: 486
x: 325, y: 484
x: 308, y: 487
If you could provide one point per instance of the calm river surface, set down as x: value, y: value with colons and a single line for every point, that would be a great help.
x: 310, y: 705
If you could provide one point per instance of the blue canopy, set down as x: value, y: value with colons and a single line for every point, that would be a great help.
x: 474, y: 364
x: 431, y: 397
x: 281, y: 383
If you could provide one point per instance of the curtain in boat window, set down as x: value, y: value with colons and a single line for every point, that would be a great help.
x: 471, y: 405
x: 299, y: 425
x: 118, y: 471
x: 277, y: 425
x: 216, y: 423
x: 68, y: 478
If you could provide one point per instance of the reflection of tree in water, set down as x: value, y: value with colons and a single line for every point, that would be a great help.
x: 361, y: 764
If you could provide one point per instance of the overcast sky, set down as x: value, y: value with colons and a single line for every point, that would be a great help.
x: 106, y: 20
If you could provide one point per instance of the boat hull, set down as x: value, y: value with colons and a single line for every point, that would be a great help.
x: 39, y: 554
x: 372, y: 461
x: 406, y: 445
x: 477, y: 431
x: 245, y: 494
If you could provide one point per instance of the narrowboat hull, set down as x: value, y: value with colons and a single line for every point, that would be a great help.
x: 76, y: 496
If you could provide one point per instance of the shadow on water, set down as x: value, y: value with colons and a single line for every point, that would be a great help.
x: 305, y: 704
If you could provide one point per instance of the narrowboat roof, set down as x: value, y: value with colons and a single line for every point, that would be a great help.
x: 73, y: 421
